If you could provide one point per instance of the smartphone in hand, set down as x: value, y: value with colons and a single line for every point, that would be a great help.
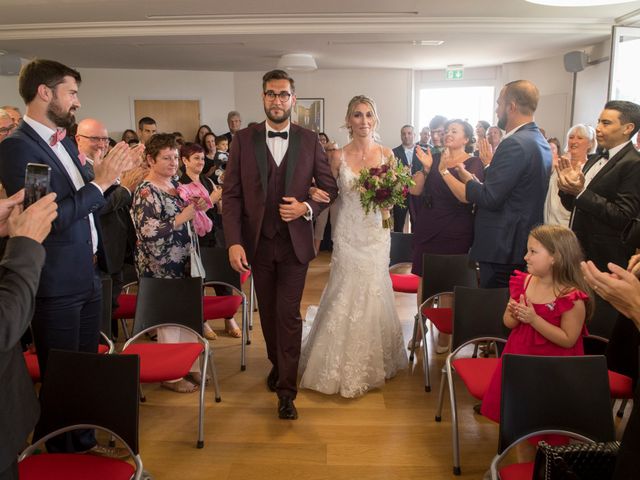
x: 36, y: 182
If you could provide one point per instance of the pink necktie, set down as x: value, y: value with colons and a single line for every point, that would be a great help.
x: 57, y: 136
x: 83, y: 159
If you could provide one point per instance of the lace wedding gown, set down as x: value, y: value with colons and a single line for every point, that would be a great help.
x: 355, y: 342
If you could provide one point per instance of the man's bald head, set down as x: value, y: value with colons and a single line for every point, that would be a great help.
x: 524, y: 94
x: 92, y: 138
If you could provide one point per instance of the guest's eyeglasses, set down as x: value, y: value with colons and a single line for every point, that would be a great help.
x: 7, y: 130
x: 283, y: 96
x: 96, y: 139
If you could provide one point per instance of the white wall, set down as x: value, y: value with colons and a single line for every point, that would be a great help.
x: 390, y: 89
x: 108, y: 94
x: 591, y: 86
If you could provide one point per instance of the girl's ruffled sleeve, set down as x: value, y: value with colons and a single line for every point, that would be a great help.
x: 516, y: 284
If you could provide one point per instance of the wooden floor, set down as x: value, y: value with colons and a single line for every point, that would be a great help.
x: 386, y: 434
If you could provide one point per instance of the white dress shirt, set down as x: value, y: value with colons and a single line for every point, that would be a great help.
x: 409, y: 154
x: 599, y: 165
x: 277, y: 145
x: 76, y: 178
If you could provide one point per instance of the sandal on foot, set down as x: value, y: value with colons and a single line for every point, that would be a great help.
x: 181, y: 386
x: 208, y: 332
x: 196, y: 378
x: 234, y: 332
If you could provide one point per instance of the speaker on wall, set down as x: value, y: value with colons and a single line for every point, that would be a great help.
x: 575, y: 61
x: 10, y: 64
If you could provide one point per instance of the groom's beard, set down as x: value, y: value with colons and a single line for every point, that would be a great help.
x: 278, y: 114
x: 58, y: 116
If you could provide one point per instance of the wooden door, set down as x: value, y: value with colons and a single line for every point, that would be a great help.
x: 171, y: 115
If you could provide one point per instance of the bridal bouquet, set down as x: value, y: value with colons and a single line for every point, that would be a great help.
x: 383, y: 187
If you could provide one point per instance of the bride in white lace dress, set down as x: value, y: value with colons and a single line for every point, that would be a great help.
x: 355, y: 342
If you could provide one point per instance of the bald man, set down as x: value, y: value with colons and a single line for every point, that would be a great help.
x: 118, y: 235
x: 510, y: 201
x: 92, y: 138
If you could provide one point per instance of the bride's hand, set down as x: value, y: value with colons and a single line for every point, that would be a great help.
x: 318, y: 195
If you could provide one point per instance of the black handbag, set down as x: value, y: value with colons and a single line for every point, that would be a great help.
x: 575, y: 461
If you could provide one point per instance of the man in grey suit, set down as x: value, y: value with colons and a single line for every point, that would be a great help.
x: 510, y: 201
x: 19, y: 276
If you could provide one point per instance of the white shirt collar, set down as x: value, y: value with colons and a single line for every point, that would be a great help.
x: 514, y: 130
x: 614, y: 151
x: 269, y: 128
x: 42, y: 130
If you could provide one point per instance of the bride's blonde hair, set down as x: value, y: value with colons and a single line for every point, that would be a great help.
x: 355, y: 101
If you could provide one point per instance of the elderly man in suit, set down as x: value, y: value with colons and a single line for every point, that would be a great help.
x: 19, y: 275
x: 511, y: 199
x: 267, y: 223
x: 68, y: 302
x: 406, y: 153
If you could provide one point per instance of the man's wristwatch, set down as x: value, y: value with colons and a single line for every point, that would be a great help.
x: 445, y: 172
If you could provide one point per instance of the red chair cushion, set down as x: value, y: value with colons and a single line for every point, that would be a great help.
x: 33, y: 367
x: 517, y: 471
x: 126, y: 306
x: 31, y: 359
x: 160, y: 362
x: 68, y: 466
x: 620, y: 385
x: 442, y: 318
x: 476, y: 373
x: 405, y: 282
x: 244, y: 276
x: 220, y: 307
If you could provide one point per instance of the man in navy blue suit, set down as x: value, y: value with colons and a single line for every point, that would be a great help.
x: 511, y: 199
x: 406, y: 153
x: 68, y: 301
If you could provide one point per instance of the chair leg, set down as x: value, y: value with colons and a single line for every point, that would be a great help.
x: 214, y: 376
x: 454, y: 422
x: 203, y: 374
x: 142, y: 397
x: 252, y: 302
x: 623, y: 406
x: 443, y: 382
x: 125, y: 329
x: 413, y: 337
x: 425, y: 354
x: 245, y: 335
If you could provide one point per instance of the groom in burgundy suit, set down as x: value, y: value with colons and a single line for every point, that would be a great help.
x: 267, y: 218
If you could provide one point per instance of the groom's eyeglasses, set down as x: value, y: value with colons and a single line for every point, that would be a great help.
x: 283, y: 96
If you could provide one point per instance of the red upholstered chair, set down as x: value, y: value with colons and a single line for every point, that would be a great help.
x: 219, y: 273
x: 108, y: 401
x: 172, y: 302
x: 529, y: 409
x: 126, y: 306
x: 401, y: 255
x: 441, y: 273
x: 477, y: 318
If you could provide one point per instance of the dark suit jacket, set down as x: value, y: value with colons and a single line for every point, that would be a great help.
x: 19, y: 274
x: 68, y: 268
x: 399, y: 153
x: 245, y: 187
x: 511, y: 200
x: 609, y: 203
x: 118, y: 232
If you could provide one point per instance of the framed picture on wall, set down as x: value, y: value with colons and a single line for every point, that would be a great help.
x: 309, y: 113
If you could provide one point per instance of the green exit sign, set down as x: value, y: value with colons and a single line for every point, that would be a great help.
x: 455, y: 72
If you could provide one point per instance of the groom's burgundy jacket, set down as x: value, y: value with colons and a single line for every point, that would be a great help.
x: 245, y: 187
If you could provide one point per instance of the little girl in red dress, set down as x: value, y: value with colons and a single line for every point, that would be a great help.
x: 548, y: 306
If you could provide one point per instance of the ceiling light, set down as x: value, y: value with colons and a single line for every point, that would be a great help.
x: 578, y: 3
x: 301, y: 62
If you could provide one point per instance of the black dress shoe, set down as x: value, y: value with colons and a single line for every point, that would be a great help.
x: 272, y: 379
x: 286, y: 408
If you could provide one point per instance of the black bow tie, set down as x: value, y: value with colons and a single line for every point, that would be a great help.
x: 603, y: 153
x: 282, y: 135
